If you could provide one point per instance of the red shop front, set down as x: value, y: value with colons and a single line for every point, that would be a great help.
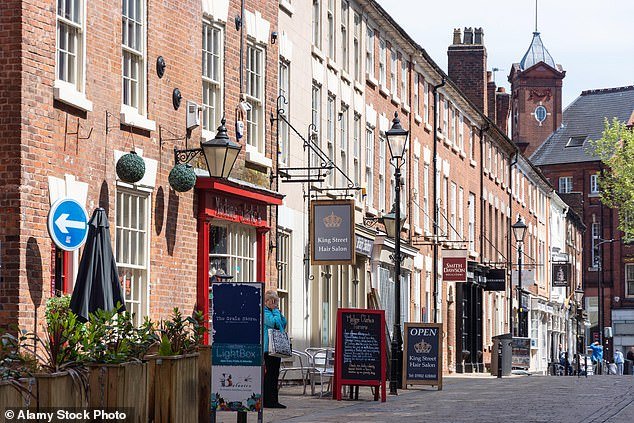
x: 232, y: 227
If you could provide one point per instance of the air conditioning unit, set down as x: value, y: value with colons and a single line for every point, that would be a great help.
x: 193, y: 115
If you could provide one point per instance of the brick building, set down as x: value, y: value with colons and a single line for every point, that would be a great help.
x: 82, y: 83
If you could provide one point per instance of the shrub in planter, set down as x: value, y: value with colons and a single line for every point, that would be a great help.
x: 16, y: 369
x: 173, y: 375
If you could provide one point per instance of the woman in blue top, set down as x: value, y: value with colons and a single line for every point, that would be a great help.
x: 273, y: 319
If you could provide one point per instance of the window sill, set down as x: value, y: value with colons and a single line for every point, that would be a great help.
x: 406, y: 226
x: 66, y: 93
x: 428, y: 127
x: 462, y: 154
x: 358, y: 86
x: 286, y: 6
x: 447, y: 141
x: 418, y: 230
x: 207, y: 135
x: 396, y: 101
x: 130, y: 117
x: 371, y: 211
x: 439, y: 135
x: 345, y: 76
x: 255, y: 157
x: 418, y: 118
x: 332, y: 65
x: 371, y: 80
x: 316, y: 52
x: 405, y: 108
x: 384, y: 91
x: 473, y: 162
x: 455, y: 148
x: 594, y: 195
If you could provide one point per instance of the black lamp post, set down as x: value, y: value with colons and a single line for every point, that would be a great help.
x: 397, y: 143
x: 519, y: 231
x: 220, y: 153
x: 599, y: 261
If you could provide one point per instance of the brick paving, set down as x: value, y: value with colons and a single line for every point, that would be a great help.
x: 472, y: 398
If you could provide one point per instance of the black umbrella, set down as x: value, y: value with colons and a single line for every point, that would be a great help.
x: 97, y: 286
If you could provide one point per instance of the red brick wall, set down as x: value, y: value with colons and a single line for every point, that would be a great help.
x: 10, y: 106
x: 467, y: 67
x: 48, y: 148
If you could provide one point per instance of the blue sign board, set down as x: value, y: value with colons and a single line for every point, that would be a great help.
x: 68, y: 224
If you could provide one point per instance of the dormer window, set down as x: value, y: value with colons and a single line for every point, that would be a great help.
x: 576, y: 141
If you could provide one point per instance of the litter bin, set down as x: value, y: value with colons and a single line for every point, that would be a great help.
x: 628, y: 366
x: 502, y: 343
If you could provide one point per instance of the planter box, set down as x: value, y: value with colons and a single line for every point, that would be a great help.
x: 173, y: 389
x: 58, y: 390
x: 120, y: 386
x: 204, y: 383
x: 11, y: 396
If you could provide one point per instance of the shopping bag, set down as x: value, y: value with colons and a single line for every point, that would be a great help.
x: 279, y: 344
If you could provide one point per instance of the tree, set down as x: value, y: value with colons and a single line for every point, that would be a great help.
x: 616, y: 150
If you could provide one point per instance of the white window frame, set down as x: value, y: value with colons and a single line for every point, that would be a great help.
x: 331, y: 130
x: 382, y: 63
x: 461, y: 213
x: 284, y: 266
x: 356, y: 42
x: 565, y: 184
x: 212, y: 85
x: 345, y: 59
x: 416, y: 99
x: 241, y: 251
x: 255, y: 95
x: 393, y: 66
x: 382, y: 162
x: 284, y: 76
x: 369, y: 52
x: 416, y: 202
x: 316, y: 23
x: 629, y: 280
x: 70, y: 88
x: 136, y: 57
x: 594, y: 183
x: 453, y: 203
x: 369, y: 165
x: 343, y: 138
x: 315, y: 120
x: 460, y: 131
x: 131, y: 235
x: 404, y: 84
x: 356, y: 150
x: 426, y: 197
x: 332, y: 40
x: 425, y: 102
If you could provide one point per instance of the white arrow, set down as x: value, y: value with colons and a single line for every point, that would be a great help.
x: 63, y: 223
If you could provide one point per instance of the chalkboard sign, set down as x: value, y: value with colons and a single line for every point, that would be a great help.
x: 422, y: 361
x: 360, y: 353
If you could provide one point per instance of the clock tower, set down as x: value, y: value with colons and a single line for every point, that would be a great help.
x: 535, y: 97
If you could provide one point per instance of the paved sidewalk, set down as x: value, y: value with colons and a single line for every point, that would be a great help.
x: 472, y: 398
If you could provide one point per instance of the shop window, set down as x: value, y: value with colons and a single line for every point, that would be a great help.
x: 232, y: 249
x: 132, y: 249
x: 212, y: 71
x: 629, y: 280
x: 284, y: 270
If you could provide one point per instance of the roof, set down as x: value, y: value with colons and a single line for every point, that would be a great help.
x: 537, y: 53
x: 583, y: 120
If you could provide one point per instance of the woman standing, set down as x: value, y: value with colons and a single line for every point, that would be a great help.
x: 273, y: 319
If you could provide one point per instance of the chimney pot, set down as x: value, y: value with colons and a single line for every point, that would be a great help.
x: 468, y: 35
x: 457, y: 36
x: 489, y: 76
x: 478, y: 36
x: 501, y: 90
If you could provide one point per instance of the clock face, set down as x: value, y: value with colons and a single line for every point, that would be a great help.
x: 540, y: 114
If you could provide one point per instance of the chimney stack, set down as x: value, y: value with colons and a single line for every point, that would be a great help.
x: 502, y: 109
x: 491, y: 96
x: 467, y: 64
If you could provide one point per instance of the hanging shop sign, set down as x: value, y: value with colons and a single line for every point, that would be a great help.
x: 454, y: 265
x: 332, y: 238
x: 495, y: 280
x: 528, y: 277
x: 422, y: 363
x: 561, y: 274
x: 363, y: 245
x: 236, y: 346
x: 360, y: 350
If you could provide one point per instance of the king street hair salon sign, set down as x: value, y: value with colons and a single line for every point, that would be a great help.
x: 332, y: 232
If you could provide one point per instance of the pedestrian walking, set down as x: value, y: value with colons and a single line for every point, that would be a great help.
x: 597, y: 356
x: 618, y: 359
x: 273, y: 319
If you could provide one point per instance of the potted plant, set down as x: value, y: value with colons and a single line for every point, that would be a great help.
x: 114, y: 350
x: 173, y: 376
x: 16, y: 370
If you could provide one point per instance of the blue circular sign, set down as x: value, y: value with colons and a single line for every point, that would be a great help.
x: 68, y: 224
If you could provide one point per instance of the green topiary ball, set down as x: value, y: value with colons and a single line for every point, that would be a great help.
x: 130, y: 168
x: 182, y: 178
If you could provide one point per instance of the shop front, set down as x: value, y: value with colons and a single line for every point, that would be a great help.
x: 469, y: 342
x: 233, y: 223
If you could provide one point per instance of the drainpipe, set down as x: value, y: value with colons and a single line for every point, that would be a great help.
x: 509, y: 230
x: 435, y: 220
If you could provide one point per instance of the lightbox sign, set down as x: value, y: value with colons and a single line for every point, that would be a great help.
x: 332, y: 232
x: 454, y: 265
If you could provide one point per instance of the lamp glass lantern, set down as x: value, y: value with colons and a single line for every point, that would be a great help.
x: 220, y: 153
x: 389, y: 221
x: 397, y: 139
x: 519, y: 229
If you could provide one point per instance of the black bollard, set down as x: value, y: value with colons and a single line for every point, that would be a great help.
x: 499, y: 358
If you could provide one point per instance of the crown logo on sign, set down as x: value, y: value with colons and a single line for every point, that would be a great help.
x: 422, y: 347
x: 332, y: 221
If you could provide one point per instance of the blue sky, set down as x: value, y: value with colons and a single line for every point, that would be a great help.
x: 592, y: 40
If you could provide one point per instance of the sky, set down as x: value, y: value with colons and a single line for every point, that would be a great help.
x: 591, y: 40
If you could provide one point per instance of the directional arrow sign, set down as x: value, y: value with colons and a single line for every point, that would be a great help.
x: 67, y: 224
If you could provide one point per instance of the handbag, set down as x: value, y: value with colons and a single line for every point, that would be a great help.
x: 279, y: 344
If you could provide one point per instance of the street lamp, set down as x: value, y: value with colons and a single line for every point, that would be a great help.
x: 397, y: 143
x: 519, y: 231
x: 220, y: 153
x: 599, y: 261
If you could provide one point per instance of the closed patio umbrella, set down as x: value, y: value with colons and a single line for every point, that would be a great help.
x: 97, y: 286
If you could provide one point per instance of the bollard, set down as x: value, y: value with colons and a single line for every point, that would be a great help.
x: 499, y: 358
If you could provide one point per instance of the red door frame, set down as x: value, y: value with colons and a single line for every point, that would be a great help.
x: 206, y: 212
